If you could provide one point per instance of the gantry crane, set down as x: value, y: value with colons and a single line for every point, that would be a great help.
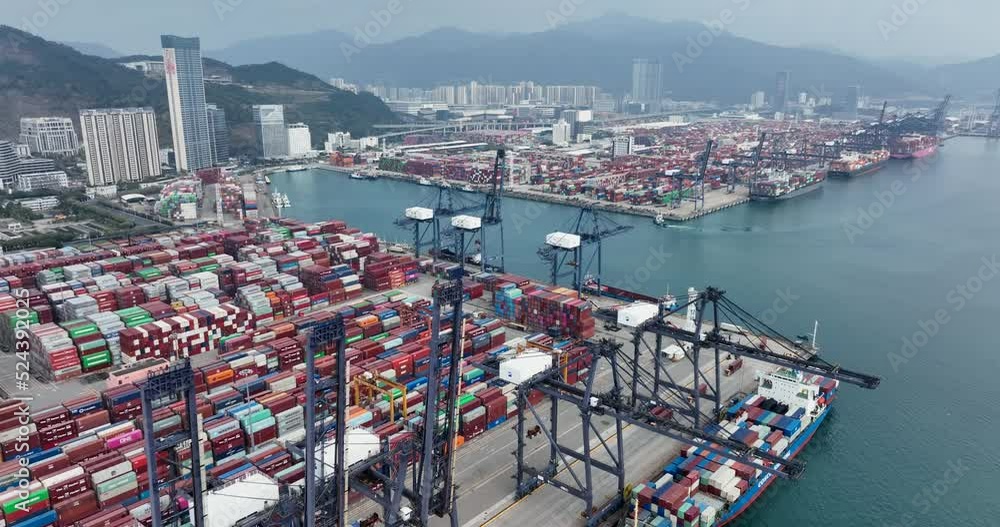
x: 426, y: 219
x: 642, y: 393
x: 994, y: 126
x: 698, y: 196
x: 493, y: 216
x: 580, y: 248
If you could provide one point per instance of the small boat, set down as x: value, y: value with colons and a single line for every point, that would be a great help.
x: 424, y: 182
x: 444, y: 184
x: 660, y: 219
x: 357, y: 175
x: 468, y: 188
x: 267, y: 180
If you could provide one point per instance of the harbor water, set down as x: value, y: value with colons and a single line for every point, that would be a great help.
x: 901, y: 268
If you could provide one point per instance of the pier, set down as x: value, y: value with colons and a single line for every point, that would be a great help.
x: 715, y: 200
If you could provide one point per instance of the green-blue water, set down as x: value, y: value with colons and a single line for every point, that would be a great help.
x: 883, y: 457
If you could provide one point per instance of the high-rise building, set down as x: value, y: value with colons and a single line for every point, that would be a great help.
x: 299, y: 140
x: 622, y: 146
x: 561, y: 133
x: 852, y: 102
x: 219, y: 133
x: 272, y: 136
x: 10, y: 166
x: 121, y: 145
x: 49, y: 135
x: 647, y: 82
x: 780, y: 101
x: 186, y: 95
x: 757, y: 100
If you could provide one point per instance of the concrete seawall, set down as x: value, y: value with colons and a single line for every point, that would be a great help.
x: 714, y: 201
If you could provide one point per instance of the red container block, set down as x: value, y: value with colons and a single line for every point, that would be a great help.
x: 76, y: 508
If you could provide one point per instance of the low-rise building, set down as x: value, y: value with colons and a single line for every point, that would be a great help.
x: 39, y: 205
x: 55, y: 179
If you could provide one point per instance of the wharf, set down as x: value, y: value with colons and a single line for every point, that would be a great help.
x: 715, y: 200
x: 265, y: 202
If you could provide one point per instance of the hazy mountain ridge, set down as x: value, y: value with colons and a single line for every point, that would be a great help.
x: 597, y: 51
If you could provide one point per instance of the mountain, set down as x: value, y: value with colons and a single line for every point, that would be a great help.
x: 597, y: 51
x: 977, y: 79
x: 38, y: 77
x: 95, y: 49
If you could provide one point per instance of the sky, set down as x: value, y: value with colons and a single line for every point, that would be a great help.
x: 922, y: 30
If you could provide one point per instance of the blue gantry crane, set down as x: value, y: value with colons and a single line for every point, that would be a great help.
x: 580, y: 248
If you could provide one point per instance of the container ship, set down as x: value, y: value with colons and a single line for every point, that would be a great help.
x: 591, y: 286
x: 858, y: 164
x: 914, y: 146
x: 701, y: 488
x: 782, y: 185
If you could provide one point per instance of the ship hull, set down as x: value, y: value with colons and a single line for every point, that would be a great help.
x: 801, y: 191
x: 869, y: 169
x: 741, y: 505
x: 918, y: 154
x: 619, y: 294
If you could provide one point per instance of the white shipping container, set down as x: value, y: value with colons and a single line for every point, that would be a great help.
x: 252, y: 493
x: 635, y: 314
x: 525, y: 366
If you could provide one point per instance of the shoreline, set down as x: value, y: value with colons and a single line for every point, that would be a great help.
x: 682, y: 214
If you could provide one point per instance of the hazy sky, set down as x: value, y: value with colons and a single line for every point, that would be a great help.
x: 936, y: 29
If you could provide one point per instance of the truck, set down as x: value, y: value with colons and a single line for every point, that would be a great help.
x: 733, y: 366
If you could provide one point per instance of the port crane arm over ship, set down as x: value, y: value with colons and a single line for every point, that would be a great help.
x: 639, y: 396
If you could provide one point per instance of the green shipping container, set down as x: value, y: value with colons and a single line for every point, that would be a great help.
x: 34, y: 497
x: 474, y: 372
x: 110, y: 486
x: 99, y: 359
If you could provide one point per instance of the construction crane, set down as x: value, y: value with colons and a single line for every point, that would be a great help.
x: 493, y: 216
x: 580, y: 248
x: 993, y: 131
